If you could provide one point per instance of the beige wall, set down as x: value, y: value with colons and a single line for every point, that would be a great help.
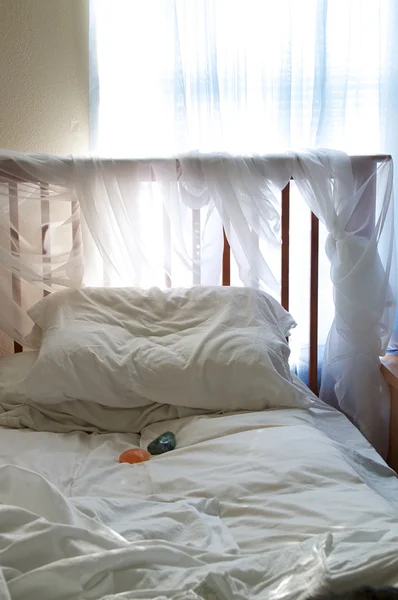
x: 44, y: 104
x: 44, y: 75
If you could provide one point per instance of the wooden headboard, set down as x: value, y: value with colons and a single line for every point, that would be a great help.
x: 361, y: 163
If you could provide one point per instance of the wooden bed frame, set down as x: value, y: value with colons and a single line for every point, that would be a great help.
x: 362, y: 162
x: 389, y: 369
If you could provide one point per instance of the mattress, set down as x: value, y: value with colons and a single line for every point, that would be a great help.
x: 272, y: 504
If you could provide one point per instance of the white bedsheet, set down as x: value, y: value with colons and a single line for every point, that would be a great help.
x: 249, y: 505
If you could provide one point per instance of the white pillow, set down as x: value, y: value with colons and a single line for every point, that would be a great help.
x: 211, y: 348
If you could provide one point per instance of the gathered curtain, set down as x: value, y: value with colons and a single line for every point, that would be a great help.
x: 361, y: 249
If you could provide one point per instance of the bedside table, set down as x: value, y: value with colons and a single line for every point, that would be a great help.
x: 389, y: 368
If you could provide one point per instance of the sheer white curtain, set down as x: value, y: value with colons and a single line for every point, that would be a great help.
x: 40, y: 242
x: 170, y: 76
x: 143, y: 227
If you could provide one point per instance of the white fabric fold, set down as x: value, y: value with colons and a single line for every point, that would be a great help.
x: 40, y: 239
x: 245, y: 192
x: 141, y: 229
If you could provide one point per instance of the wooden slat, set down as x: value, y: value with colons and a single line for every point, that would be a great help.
x: 45, y: 238
x: 314, y: 266
x: 363, y: 218
x: 285, y: 246
x: 196, y: 247
x: 226, y: 262
x: 254, y: 248
x: 17, y: 348
x: 167, y: 248
x: 77, y: 248
x: 14, y: 219
x: 75, y: 226
x: 255, y: 241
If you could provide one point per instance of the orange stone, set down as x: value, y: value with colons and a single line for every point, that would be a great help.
x: 134, y: 455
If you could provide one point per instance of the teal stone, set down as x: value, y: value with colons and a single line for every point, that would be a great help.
x: 164, y: 443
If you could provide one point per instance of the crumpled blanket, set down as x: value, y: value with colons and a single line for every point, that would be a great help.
x: 53, y: 547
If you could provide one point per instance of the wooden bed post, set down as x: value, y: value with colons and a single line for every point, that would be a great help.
x: 45, y: 238
x: 314, y: 266
x: 285, y: 210
x: 226, y: 261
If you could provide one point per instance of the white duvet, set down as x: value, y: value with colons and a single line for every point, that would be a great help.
x: 249, y: 506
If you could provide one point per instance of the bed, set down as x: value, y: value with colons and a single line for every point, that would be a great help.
x: 251, y: 505
x: 280, y: 500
